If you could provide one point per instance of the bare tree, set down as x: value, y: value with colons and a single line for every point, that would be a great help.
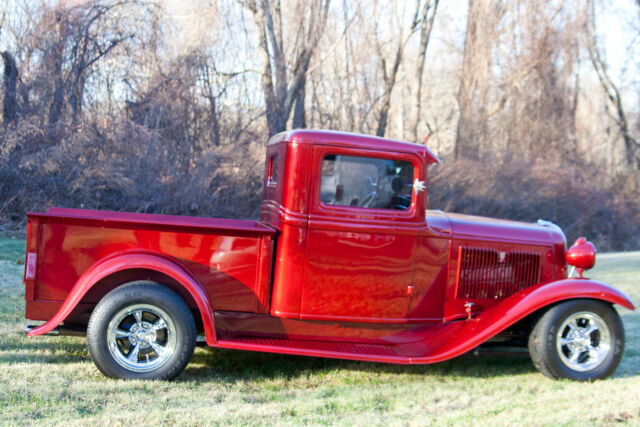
x: 427, y: 17
x: 284, y: 83
x: 390, y: 71
x: 74, y: 39
x: 95, y: 34
x: 632, y: 147
x: 482, y: 25
x: 212, y: 97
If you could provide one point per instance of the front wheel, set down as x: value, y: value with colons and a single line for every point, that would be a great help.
x: 581, y: 340
x: 141, y: 330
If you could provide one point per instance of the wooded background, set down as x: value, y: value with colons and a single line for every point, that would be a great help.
x: 165, y: 106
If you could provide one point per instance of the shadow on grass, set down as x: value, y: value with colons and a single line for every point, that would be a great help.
x: 22, y: 349
x: 230, y: 365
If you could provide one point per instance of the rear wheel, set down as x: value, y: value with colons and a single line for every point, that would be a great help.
x: 579, y: 339
x: 141, y: 330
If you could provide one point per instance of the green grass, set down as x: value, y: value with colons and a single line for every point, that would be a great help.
x: 50, y: 380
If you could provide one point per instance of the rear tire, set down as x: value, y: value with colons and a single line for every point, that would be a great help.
x: 581, y: 340
x: 141, y: 330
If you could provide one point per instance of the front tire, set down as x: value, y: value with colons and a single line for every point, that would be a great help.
x: 581, y: 340
x: 141, y: 330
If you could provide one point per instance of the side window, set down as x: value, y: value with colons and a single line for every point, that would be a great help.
x: 273, y: 169
x: 366, y: 182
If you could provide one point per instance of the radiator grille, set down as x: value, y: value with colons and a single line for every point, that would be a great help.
x: 488, y: 273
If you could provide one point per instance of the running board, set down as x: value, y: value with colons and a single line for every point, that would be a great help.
x: 329, y: 349
x: 496, y: 350
x: 350, y: 351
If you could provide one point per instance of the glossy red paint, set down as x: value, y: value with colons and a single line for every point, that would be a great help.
x: 491, y: 322
x: 370, y: 255
x: 129, y: 261
x: 439, y: 342
x: 582, y: 254
x: 312, y: 278
x: 231, y: 266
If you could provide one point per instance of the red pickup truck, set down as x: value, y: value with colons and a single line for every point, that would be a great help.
x: 345, y: 262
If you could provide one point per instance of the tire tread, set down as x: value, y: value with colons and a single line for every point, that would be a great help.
x: 542, y: 340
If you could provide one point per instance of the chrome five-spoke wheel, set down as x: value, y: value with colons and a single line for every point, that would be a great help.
x: 141, y: 337
x: 141, y: 330
x: 583, y: 341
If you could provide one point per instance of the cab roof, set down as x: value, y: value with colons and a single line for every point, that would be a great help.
x: 353, y: 140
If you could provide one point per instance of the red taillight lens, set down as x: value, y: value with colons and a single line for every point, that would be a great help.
x: 582, y: 254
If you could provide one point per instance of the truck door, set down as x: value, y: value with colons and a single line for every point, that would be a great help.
x: 361, y: 241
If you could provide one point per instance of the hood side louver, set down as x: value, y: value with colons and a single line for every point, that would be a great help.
x: 488, y: 273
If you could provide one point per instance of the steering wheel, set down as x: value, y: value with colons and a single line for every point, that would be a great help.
x: 373, y: 195
x: 401, y: 203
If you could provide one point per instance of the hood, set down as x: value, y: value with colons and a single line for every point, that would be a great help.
x: 482, y: 228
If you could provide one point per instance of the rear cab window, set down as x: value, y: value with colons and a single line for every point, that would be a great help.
x: 272, y: 173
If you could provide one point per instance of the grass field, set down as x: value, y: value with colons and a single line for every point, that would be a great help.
x: 50, y: 380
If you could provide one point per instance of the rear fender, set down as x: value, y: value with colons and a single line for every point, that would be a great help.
x: 473, y: 332
x: 127, y: 261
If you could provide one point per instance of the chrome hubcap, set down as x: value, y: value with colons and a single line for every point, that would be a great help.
x: 583, y: 341
x: 141, y: 337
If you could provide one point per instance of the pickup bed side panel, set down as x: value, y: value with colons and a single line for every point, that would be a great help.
x: 122, y: 263
x: 232, y: 267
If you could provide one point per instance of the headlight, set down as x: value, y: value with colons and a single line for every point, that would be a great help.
x: 582, y: 255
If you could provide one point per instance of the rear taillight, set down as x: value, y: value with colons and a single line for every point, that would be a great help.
x: 31, y: 261
x: 30, y: 267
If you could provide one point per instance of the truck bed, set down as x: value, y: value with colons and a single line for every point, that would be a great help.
x: 230, y: 258
x: 114, y: 219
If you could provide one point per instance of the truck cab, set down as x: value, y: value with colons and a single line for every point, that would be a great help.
x: 352, y: 224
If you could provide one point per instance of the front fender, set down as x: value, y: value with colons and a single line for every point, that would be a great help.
x: 471, y: 333
x: 127, y: 261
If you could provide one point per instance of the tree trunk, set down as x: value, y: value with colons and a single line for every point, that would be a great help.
x: 483, y: 19
x: 466, y: 134
x: 215, y: 122
x: 57, y: 102
x: 383, y: 116
x: 299, y: 118
x: 426, y: 25
x: 75, y: 99
x: 389, y: 82
x: 56, y: 60
x: 10, y: 105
